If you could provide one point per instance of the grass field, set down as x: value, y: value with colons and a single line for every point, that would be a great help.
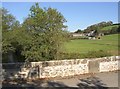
x: 106, y: 43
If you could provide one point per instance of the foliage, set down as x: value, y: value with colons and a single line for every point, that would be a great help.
x: 46, y: 26
x: 42, y: 34
x: 89, y: 54
x: 103, y: 27
x: 8, y: 20
x: 113, y: 29
x: 8, y: 23
x: 97, y: 26
x: 79, y: 37
x: 10, y: 27
x: 78, y: 31
x: 38, y: 38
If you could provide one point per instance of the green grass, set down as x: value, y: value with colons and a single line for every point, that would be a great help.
x: 109, y: 27
x: 106, y: 43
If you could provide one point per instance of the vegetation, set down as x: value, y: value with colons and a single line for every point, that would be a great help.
x: 102, y: 27
x: 78, y: 31
x: 38, y: 38
x: 43, y: 36
x: 89, y: 54
x: 113, y: 29
x: 110, y: 27
x: 82, y: 48
x: 98, y: 26
x: 78, y: 37
x: 106, y: 43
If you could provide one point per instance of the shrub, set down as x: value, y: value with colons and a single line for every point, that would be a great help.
x: 80, y: 37
x: 90, y: 54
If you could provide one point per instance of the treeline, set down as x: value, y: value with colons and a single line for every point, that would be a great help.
x: 113, y: 29
x: 100, y: 28
x: 39, y: 37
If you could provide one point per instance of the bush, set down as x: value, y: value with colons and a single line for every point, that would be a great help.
x: 96, y: 54
x: 80, y: 37
x: 90, y: 54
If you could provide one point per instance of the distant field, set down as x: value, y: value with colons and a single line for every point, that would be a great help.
x: 106, y: 43
x: 109, y: 27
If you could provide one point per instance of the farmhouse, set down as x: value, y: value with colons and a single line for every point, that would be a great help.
x: 77, y: 34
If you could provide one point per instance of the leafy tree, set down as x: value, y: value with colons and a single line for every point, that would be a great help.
x: 7, y: 23
x: 46, y: 29
x: 8, y: 20
x: 40, y: 37
x: 9, y: 34
x: 78, y: 31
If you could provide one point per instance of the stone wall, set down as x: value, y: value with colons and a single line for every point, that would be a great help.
x: 66, y: 70
x: 109, y: 66
x: 63, y: 68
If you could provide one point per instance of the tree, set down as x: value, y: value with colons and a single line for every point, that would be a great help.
x: 40, y: 37
x: 9, y: 35
x: 8, y: 20
x: 7, y: 23
x: 78, y: 31
x: 46, y: 29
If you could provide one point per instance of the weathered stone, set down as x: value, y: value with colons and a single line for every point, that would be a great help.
x: 83, y: 61
x: 63, y: 68
x: 109, y: 66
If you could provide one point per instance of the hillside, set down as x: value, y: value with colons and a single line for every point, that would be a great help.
x: 106, y: 43
x: 106, y: 28
x: 110, y: 27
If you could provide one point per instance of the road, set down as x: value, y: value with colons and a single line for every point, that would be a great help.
x: 108, y: 79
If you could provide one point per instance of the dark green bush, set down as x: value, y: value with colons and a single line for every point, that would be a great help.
x: 80, y: 37
x: 96, y: 54
x: 90, y: 54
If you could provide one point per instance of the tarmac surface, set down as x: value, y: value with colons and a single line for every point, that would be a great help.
x: 108, y: 79
x: 89, y: 81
